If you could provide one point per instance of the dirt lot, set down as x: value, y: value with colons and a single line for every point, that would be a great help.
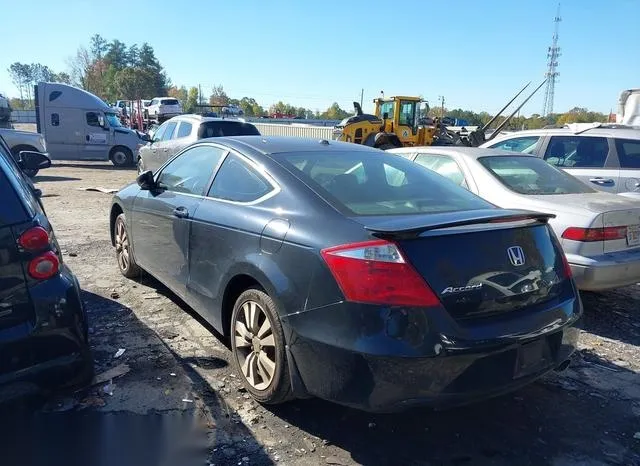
x: 179, y: 370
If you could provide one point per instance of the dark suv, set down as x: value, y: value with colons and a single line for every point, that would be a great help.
x: 43, y: 325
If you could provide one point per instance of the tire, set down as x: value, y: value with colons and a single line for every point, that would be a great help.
x: 124, y: 256
x: 258, y: 348
x: 121, y: 157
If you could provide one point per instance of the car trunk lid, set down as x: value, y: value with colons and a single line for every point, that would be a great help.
x: 480, y: 263
x: 627, y: 221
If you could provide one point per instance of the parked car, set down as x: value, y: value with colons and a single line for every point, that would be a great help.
x: 345, y: 273
x: 604, y: 156
x: 162, y: 108
x: 178, y: 132
x: 43, y: 324
x: 19, y: 141
x: 599, y: 231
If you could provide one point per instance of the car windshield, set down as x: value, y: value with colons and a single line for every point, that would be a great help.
x: 169, y: 102
x: 372, y: 183
x: 532, y: 175
x: 113, y: 120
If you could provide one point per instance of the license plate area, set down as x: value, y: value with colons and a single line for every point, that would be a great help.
x: 532, y: 357
x: 633, y: 235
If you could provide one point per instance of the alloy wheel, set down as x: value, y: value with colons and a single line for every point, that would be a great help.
x: 122, y: 246
x: 255, y: 345
x: 120, y: 158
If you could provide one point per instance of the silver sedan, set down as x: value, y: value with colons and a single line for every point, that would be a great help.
x: 599, y: 231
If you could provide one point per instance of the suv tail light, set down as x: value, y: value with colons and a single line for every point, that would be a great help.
x: 34, y: 239
x: 567, y: 268
x: 44, y: 266
x: 375, y: 272
x: 595, y: 234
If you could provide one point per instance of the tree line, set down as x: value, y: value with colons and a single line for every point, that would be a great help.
x: 113, y: 70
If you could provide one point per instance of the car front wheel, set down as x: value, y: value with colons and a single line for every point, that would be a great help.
x: 258, y: 346
x: 126, y: 262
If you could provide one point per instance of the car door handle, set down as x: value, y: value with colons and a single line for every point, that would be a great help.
x: 601, y: 181
x: 181, y: 212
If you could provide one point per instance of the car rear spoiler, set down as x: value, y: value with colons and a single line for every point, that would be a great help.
x: 449, y: 220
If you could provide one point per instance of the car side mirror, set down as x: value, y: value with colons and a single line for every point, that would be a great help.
x: 33, y: 160
x: 145, y: 180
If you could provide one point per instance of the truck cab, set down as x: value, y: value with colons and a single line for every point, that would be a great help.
x: 78, y: 125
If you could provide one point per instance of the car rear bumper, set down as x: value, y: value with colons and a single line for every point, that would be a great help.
x: 605, y: 272
x: 385, y: 369
x: 52, y: 347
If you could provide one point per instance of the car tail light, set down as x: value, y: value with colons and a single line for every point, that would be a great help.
x: 34, y: 239
x: 375, y: 272
x: 44, y: 266
x: 595, y: 234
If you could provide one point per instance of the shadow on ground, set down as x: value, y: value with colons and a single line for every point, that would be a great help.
x: 43, y: 178
x: 608, y: 314
x: 92, y: 166
x: 80, y: 429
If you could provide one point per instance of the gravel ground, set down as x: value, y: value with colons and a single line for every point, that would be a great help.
x: 587, y: 415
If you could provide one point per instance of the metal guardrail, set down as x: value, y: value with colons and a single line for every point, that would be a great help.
x: 301, y: 131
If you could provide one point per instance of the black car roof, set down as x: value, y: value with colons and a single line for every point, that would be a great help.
x: 267, y: 145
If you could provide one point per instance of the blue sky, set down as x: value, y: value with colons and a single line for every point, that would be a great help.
x: 311, y: 53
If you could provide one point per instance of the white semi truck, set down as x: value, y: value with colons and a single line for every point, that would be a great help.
x: 78, y: 125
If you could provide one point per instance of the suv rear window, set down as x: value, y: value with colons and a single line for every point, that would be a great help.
x: 365, y: 183
x: 215, y: 129
x: 169, y: 102
x: 531, y: 175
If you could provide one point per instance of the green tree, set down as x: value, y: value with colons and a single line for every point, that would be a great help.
x: 192, y: 100
x: 334, y: 112
x: 133, y: 83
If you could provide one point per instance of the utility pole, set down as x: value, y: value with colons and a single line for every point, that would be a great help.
x: 199, y: 94
x: 441, y: 99
x: 361, y: 97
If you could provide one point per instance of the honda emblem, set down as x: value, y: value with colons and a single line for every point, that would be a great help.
x: 516, y: 255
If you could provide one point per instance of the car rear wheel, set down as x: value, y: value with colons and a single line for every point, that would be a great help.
x: 126, y: 262
x: 258, y: 346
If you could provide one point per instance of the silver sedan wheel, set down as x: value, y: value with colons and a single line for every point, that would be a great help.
x: 122, y: 246
x: 255, y: 345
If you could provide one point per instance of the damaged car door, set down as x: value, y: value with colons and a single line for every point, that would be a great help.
x: 162, y: 215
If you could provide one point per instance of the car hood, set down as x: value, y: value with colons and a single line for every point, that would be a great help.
x: 578, y: 204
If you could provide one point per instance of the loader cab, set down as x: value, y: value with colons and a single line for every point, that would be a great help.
x: 401, y: 116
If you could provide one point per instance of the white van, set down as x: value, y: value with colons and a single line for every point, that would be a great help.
x: 78, y: 125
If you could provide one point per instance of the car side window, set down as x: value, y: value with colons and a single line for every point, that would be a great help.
x: 628, y: 152
x: 190, y: 172
x: 577, y: 151
x: 171, y: 126
x: 157, y: 136
x: 443, y: 165
x: 93, y: 119
x: 525, y: 144
x: 239, y: 182
x: 184, y: 130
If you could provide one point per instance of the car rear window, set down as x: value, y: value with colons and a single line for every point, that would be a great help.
x: 374, y: 183
x: 169, y: 102
x: 628, y: 152
x: 215, y: 129
x: 532, y: 175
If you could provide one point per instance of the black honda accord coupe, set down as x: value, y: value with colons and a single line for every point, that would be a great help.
x: 342, y: 272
